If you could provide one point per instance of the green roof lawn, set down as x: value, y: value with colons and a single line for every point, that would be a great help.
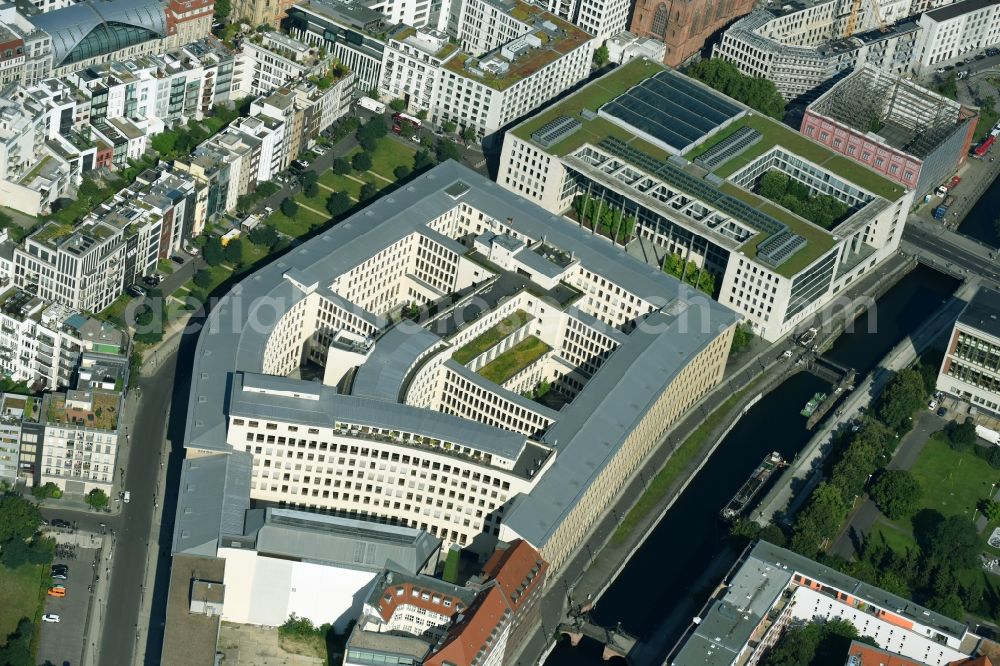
x: 491, y: 337
x: 514, y: 360
x: 818, y: 240
x: 777, y: 134
x: 605, y: 89
x: 592, y: 97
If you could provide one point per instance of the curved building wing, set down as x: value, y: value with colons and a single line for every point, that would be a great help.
x: 91, y: 29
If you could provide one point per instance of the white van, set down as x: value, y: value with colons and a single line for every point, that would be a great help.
x: 127, y: 497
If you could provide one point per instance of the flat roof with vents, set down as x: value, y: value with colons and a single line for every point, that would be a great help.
x: 555, y: 131
x: 671, y: 110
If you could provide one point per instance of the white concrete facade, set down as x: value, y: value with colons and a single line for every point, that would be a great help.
x: 954, y: 31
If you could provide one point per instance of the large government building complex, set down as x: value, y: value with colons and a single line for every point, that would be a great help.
x: 430, y: 316
x: 683, y: 167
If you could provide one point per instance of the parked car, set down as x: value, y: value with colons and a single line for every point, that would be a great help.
x: 268, y: 210
x: 942, y: 411
x: 992, y: 51
x: 60, y: 567
x: 177, y: 259
x: 57, y: 591
x: 319, y: 150
x: 50, y: 617
x: 127, y: 497
x: 59, y: 522
x: 980, y: 56
x: 136, y: 290
x: 150, y: 281
x: 932, y: 405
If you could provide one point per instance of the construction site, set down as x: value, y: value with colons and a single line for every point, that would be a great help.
x: 898, y: 128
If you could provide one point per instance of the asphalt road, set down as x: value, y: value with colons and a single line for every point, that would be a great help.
x: 134, y: 524
x: 938, y: 244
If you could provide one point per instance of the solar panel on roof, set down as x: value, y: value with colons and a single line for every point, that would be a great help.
x: 671, y: 109
x: 781, y: 244
x: 555, y: 130
x: 728, y: 148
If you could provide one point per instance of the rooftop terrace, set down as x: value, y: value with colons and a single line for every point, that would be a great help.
x: 102, y: 415
x: 555, y: 37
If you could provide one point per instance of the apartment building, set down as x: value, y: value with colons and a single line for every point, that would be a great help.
x: 774, y: 588
x: 954, y: 31
x: 38, y: 163
x: 600, y: 18
x: 971, y: 366
x: 272, y: 59
x: 519, y: 58
x: 802, y: 48
x: 88, y: 266
x: 435, y: 623
x: 173, y: 87
x: 351, y: 32
x: 81, y: 430
x: 424, y: 425
x: 663, y: 189
x: 41, y: 343
x: 12, y: 56
x: 892, y: 125
x: 254, y: 149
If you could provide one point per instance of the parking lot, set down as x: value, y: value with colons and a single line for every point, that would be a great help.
x: 62, y: 642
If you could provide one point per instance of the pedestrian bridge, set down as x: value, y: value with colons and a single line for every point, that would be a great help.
x: 616, y: 642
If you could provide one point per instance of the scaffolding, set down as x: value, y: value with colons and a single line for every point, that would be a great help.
x: 904, y: 115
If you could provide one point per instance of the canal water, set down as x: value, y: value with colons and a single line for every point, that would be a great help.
x: 690, y: 535
x: 981, y: 222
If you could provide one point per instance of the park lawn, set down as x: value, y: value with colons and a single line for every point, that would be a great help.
x: 252, y: 253
x: 298, y: 226
x: 341, y: 184
x: 897, y: 537
x: 953, y: 482
x: 318, y: 202
x: 19, y: 588
x: 390, y: 154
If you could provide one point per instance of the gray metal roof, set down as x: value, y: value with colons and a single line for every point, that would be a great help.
x: 383, y: 374
x: 332, y: 407
x: 756, y: 586
x: 769, y: 553
x: 70, y: 25
x: 213, y: 498
x: 537, y: 262
x: 589, y: 430
x: 343, y: 542
x: 983, y: 312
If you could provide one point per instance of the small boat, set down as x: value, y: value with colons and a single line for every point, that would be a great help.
x: 741, y: 500
x: 813, y: 404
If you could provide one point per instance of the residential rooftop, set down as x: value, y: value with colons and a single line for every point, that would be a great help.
x: 549, y: 39
x: 96, y: 409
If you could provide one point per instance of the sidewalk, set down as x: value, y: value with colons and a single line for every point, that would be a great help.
x: 98, y: 602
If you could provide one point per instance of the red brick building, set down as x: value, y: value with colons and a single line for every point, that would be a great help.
x: 684, y: 25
